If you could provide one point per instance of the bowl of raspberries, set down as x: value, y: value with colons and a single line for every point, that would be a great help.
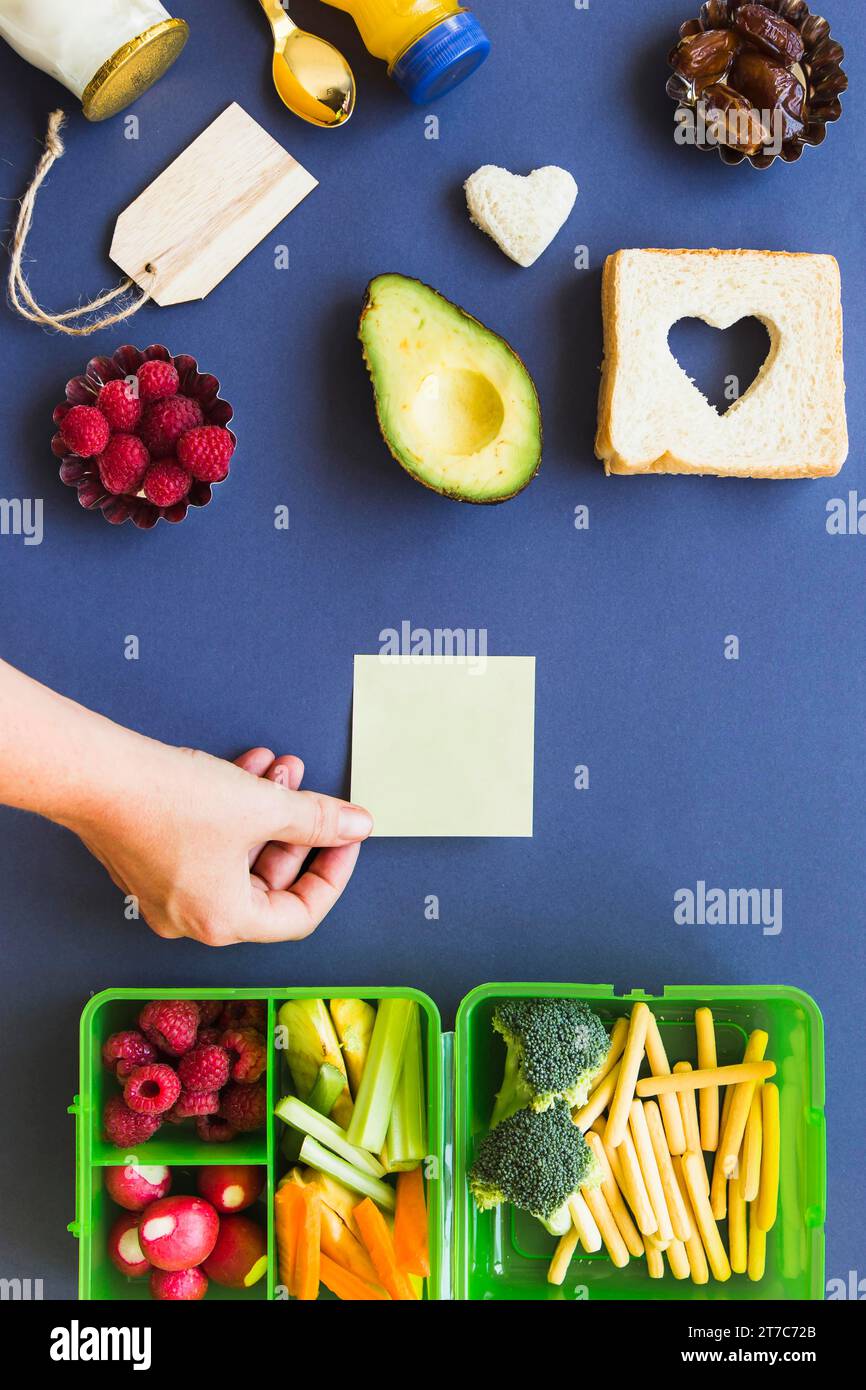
x: 143, y: 436
x: 203, y: 1063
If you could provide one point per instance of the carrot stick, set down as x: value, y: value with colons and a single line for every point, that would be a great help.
x: 339, y: 1245
x: 348, y: 1286
x: 308, y: 1262
x: 380, y: 1248
x: 288, y: 1216
x: 410, y: 1225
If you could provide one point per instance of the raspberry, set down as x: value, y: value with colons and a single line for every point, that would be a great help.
x: 209, y: 1011
x: 247, y: 1054
x: 85, y: 431
x: 244, y: 1013
x: 123, y: 464
x: 212, y: 1130
x: 208, y: 1037
x: 170, y: 1024
x: 153, y: 1089
x: 166, y: 483
x: 120, y: 405
x: 195, y: 1103
x: 124, y: 1127
x: 156, y: 380
x: 206, y: 452
x: 204, y: 1069
x: 123, y: 1052
x: 163, y: 422
x: 245, y: 1107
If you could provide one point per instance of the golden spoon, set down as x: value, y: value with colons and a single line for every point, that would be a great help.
x: 312, y: 77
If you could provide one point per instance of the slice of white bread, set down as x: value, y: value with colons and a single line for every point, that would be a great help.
x: 653, y: 419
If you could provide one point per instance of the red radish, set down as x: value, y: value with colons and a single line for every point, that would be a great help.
x: 230, y: 1187
x: 171, y: 1286
x: 136, y: 1185
x: 178, y: 1232
x: 240, y: 1256
x: 124, y: 1247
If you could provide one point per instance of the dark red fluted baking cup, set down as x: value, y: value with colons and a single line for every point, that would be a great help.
x: 83, y: 474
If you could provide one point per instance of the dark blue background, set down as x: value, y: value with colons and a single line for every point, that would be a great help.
x: 741, y: 773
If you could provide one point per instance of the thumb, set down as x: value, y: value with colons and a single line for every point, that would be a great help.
x: 308, y: 818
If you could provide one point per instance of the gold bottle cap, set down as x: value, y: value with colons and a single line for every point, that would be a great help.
x: 133, y: 68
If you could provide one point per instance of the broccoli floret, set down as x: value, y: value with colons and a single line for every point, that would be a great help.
x: 555, y: 1048
x: 536, y: 1160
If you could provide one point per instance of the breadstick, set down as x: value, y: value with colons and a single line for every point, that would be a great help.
x: 614, y: 1198
x: 689, y: 1112
x: 618, y: 1115
x: 731, y: 1140
x: 738, y: 1241
x: 563, y: 1257
x: 740, y: 1072
x: 626, y: 1170
x: 678, y: 1259
x: 618, y: 1035
x: 598, y: 1101
x: 767, y: 1201
x: 650, y: 1169
x: 680, y: 1219
x: 694, y: 1245
x: 614, y: 1243
x: 655, y: 1261
x: 708, y: 1061
x: 757, y: 1246
x: 669, y: 1104
x: 590, y: 1236
x: 752, y: 1145
x: 716, y: 1254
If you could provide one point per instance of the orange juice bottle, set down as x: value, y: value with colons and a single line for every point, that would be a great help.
x: 429, y: 45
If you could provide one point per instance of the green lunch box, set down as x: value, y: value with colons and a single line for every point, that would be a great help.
x: 500, y: 1254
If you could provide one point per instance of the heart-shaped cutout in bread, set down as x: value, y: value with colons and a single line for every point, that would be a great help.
x: 723, y: 363
x: 521, y: 213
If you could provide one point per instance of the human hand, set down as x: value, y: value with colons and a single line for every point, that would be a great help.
x: 214, y: 850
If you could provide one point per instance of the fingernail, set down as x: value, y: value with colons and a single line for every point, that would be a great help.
x: 354, y: 823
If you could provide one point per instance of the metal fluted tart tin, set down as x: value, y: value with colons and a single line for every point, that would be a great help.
x: 83, y: 473
x: 133, y: 68
x: 821, y: 66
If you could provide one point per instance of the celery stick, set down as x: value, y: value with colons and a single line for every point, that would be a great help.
x: 372, y: 1114
x: 406, y: 1144
x: 330, y: 1085
x: 295, y: 1113
x: 320, y: 1158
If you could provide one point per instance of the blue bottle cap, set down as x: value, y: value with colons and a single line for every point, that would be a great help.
x: 441, y: 59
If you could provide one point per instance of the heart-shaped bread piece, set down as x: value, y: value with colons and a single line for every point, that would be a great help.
x: 521, y: 214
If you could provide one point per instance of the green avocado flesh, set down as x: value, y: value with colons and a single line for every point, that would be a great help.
x: 456, y: 406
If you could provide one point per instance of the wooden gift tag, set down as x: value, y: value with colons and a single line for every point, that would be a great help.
x: 208, y: 209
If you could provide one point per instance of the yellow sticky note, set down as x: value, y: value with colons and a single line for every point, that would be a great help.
x: 442, y: 746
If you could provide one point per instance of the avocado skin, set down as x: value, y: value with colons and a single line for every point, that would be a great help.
x: 453, y: 495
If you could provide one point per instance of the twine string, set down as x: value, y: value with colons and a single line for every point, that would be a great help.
x: 20, y: 295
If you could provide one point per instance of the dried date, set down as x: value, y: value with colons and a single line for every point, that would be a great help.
x: 769, y: 32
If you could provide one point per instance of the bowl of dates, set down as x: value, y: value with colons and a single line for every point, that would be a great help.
x: 757, y: 82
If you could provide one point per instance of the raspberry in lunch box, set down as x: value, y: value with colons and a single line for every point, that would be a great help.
x: 170, y: 1024
x: 126, y: 1128
x: 244, y: 1013
x: 155, y: 400
x: 123, y: 1052
x: 212, y: 1129
x: 247, y: 1053
x: 152, y: 1090
x: 244, y: 1107
x: 192, y: 1104
x: 204, y: 1068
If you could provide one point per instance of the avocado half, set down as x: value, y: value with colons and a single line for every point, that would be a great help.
x: 456, y: 406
